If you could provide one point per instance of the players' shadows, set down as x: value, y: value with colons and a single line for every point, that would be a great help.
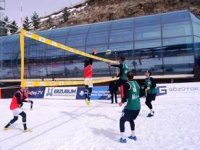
x: 49, y: 129
x: 106, y: 133
x: 99, y: 115
x: 71, y: 115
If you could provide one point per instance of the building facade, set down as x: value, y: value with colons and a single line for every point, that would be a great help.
x: 168, y: 44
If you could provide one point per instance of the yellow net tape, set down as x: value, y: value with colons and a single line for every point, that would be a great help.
x: 36, y: 37
x: 64, y: 47
x: 61, y: 83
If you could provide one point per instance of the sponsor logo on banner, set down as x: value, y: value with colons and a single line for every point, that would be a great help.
x: 98, y: 93
x: 42, y: 83
x: 37, y: 92
x: 30, y: 83
x: 185, y: 90
x: 80, y: 93
x: 161, y: 90
x: 49, y: 92
x: 60, y: 92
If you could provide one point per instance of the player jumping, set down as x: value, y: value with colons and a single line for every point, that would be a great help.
x: 88, y: 72
x: 123, y: 69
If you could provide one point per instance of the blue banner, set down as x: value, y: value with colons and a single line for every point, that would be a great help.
x: 37, y: 92
x: 98, y: 93
x: 80, y: 93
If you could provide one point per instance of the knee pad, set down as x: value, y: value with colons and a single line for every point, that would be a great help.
x: 15, y: 118
x: 86, y: 91
x: 23, y: 114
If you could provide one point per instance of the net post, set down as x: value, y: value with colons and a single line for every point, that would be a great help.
x: 22, y: 57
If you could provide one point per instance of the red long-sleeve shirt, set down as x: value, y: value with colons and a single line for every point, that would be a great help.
x: 16, y: 100
x: 88, y: 71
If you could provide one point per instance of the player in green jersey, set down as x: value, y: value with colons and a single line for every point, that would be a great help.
x: 123, y: 69
x: 150, y: 91
x: 132, y: 107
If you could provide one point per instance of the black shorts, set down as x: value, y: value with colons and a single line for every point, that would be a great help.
x: 151, y: 97
x: 130, y: 115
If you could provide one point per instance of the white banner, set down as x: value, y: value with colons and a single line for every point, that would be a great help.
x: 184, y: 90
x: 60, y: 92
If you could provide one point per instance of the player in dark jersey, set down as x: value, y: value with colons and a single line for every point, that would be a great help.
x: 17, y: 99
x: 123, y: 69
x: 132, y: 108
x: 150, y: 91
x: 88, y: 73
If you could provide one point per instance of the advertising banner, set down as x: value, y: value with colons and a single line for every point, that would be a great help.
x: 37, y: 92
x: 185, y: 90
x: 80, y: 93
x: 60, y: 92
x: 98, y: 93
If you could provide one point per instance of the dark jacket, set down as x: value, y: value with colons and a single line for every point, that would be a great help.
x: 113, y: 87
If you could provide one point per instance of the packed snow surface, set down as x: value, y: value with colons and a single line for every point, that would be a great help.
x: 71, y: 125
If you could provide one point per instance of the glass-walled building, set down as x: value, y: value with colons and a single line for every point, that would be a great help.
x: 168, y: 44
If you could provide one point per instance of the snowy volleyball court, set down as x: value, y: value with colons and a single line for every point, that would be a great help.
x: 71, y: 125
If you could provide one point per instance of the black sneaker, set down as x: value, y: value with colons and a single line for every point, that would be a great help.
x: 121, y: 140
x: 150, y: 115
x: 133, y: 138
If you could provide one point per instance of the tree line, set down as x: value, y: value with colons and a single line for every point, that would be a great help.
x: 10, y: 27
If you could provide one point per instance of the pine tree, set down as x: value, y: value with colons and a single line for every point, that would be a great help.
x: 3, y: 26
x: 26, y: 24
x: 5, y: 19
x: 66, y: 14
x: 13, y: 27
x: 36, y: 21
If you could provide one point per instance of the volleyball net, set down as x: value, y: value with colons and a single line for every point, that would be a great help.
x: 42, y: 54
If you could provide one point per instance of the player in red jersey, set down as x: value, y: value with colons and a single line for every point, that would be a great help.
x: 17, y: 99
x: 88, y: 73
